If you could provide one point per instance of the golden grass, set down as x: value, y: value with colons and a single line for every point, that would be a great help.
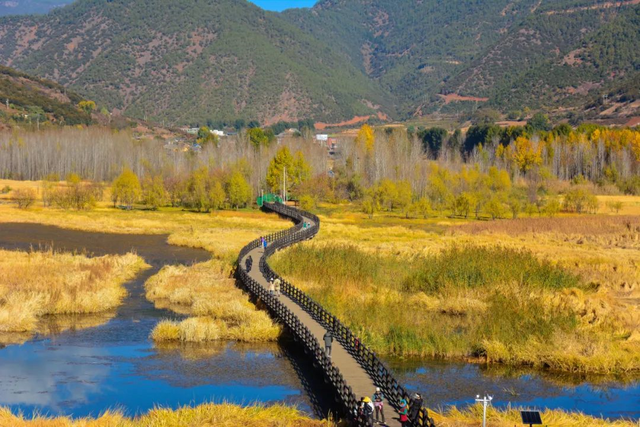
x: 36, y: 284
x: 222, y: 415
x: 472, y: 417
x: 602, y: 250
x: 206, y: 291
x: 222, y: 233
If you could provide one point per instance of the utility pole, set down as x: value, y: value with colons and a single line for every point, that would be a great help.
x: 486, y: 400
x: 284, y: 185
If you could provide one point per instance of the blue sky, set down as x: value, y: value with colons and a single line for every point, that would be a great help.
x: 283, y: 4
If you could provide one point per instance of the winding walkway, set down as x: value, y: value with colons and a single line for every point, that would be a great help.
x: 354, y: 374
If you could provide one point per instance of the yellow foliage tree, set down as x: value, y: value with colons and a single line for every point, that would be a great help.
x: 366, y: 138
x: 526, y: 154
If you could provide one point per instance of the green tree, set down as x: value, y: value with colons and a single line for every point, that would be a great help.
x: 432, y: 140
x: 206, y: 137
x: 539, y: 122
x: 238, y: 190
x: 126, y: 189
x: 257, y: 137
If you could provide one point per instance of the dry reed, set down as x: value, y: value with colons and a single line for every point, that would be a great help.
x: 219, y: 415
x: 36, y: 284
x: 221, y: 311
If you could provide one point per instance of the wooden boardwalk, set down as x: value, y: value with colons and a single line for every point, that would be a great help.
x: 354, y: 374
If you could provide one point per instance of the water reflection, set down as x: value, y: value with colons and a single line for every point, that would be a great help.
x: 81, y: 380
x: 445, y: 383
x: 84, y: 365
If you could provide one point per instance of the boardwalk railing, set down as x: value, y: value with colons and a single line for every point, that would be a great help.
x: 376, y: 369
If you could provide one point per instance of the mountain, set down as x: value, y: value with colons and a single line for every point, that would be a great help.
x: 189, y: 61
x: 24, y: 98
x: 558, y: 56
x: 22, y: 7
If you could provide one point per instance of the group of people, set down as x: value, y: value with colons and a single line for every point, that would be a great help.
x: 274, y: 286
x: 370, y: 406
x: 263, y: 243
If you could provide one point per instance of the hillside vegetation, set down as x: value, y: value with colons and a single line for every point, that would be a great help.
x: 28, y: 99
x: 192, y: 61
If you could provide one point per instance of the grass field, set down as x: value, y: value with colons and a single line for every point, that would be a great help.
x: 566, y: 288
x: 46, y: 283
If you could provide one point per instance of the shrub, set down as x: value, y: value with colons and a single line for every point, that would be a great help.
x: 24, y: 197
x: 580, y: 200
x: 6, y: 189
x: 615, y: 206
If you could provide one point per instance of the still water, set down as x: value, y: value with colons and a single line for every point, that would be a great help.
x: 94, y: 363
x: 447, y: 383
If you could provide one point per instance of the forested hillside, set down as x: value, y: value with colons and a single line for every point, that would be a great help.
x: 26, y: 99
x: 190, y: 61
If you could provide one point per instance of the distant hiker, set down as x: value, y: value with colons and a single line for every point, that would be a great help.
x: 416, y: 406
x: 264, y: 243
x: 328, y: 340
x: 276, y: 286
x: 248, y: 263
x: 378, y: 404
x: 366, y: 412
x: 272, y: 287
x: 404, y: 413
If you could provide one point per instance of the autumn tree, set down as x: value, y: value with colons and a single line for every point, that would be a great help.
x: 87, y: 106
x: 216, y: 195
x: 126, y: 189
x: 366, y: 138
x: 238, y: 190
x: 297, y: 170
x: 154, y: 194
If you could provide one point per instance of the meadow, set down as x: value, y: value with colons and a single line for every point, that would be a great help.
x: 38, y: 284
x: 558, y: 293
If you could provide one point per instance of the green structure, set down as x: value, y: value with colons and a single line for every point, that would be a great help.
x: 268, y: 198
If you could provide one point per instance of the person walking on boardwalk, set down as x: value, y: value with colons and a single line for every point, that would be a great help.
x: 328, y: 340
x: 416, y: 406
x: 248, y: 263
x: 404, y: 413
x: 378, y: 404
x: 272, y: 287
x: 366, y: 414
x: 276, y: 286
x: 264, y: 243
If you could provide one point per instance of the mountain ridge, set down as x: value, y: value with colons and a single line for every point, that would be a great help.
x: 193, y: 60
